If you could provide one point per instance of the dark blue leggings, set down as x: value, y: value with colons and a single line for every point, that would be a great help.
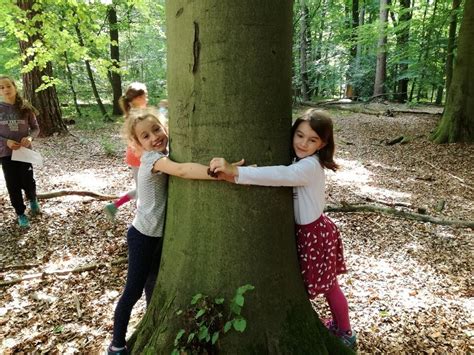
x: 18, y: 177
x: 144, y: 255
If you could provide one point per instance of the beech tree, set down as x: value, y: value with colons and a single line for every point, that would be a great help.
x: 229, y: 85
x: 457, y: 123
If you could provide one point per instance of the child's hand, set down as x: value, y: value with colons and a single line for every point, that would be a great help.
x: 220, y: 165
x: 13, y: 145
x: 26, y: 142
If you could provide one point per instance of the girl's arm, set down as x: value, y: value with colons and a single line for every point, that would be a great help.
x: 182, y: 170
x: 298, y: 174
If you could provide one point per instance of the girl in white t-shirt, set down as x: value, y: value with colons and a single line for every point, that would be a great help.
x: 319, y: 243
x: 145, y: 235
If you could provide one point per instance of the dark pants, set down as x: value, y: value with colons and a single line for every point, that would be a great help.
x: 18, y: 176
x: 144, y: 255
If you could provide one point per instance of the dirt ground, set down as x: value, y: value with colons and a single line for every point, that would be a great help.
x: 409, y: 285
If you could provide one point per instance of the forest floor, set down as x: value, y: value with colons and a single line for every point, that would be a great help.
x: 409, y: 286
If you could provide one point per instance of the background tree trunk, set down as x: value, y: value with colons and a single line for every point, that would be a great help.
x: 457, y: 123
x: 71, y: 85
x: 90, y: 75
x: 45, y: 101
x: 114, y: 76
x: 451, y: 43
x: 229, y: 85
x: 403, y: 37
x: 381, y: 68
x: 305, y: 38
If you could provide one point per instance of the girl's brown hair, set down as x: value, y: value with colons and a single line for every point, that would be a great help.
x: 21, y: 104
x: 321, y: 123
x: 133, y: 91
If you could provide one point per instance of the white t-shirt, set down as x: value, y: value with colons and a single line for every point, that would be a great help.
x: 152, y: 191
x: 307, y: 178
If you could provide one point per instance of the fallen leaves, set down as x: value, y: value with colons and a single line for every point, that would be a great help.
x: 409, y: 285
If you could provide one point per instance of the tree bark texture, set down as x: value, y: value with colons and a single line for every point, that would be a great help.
x: 229, y: 86
x: 45, y: 101
x: 457, y: 123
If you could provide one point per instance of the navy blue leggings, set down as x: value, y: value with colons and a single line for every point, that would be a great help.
x: 18, y: 177
x: 144, y: 255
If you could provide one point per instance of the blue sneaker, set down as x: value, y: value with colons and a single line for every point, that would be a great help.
x: 110, y: 211
x: 35, y: 208
x: 23, y: 221
x: 349, y: 338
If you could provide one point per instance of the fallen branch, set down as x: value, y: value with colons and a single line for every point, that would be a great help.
x: 400, y: 213
x: 61, y: 193
x: 18, y: 267
x: 365, y: 110
x: 43, y: 274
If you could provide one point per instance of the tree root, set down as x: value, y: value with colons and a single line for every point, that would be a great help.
x: 43, y: 274
x: 400, y: 213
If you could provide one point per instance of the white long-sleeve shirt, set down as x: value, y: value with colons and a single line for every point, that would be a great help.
x: 307, y: 178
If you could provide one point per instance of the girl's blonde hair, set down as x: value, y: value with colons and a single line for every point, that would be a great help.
x: 133, y: 91
x: 136, y: 115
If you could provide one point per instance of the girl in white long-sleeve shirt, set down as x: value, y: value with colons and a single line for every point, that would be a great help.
x: 319, y: 243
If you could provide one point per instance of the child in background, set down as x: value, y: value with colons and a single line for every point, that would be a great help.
x: 136, y: 96
x: 319, y: 243
x: 145, y: 235
x: 18, y: 127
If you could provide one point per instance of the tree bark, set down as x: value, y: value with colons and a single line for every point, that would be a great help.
x: 45, y: 101
x: 457, y: 123
x: 229, y: 84
x: 114, y: 76
x: 381, y: 67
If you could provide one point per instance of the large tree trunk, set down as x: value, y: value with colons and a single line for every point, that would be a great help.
x: 114, y: 76
x: 457, y: 123
x: 229, y: 84
x: 45, y: 101
x: 381, y: 68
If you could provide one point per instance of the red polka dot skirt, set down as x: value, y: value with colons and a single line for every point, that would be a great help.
x: 320, y: 254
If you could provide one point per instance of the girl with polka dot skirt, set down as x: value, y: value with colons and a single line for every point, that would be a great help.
x: 319, y: 244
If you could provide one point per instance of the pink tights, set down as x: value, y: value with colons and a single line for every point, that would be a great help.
x: 338, y: 306
x: 125, y: 198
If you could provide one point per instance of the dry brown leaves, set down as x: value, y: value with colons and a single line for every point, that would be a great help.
x: 409, y: 284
